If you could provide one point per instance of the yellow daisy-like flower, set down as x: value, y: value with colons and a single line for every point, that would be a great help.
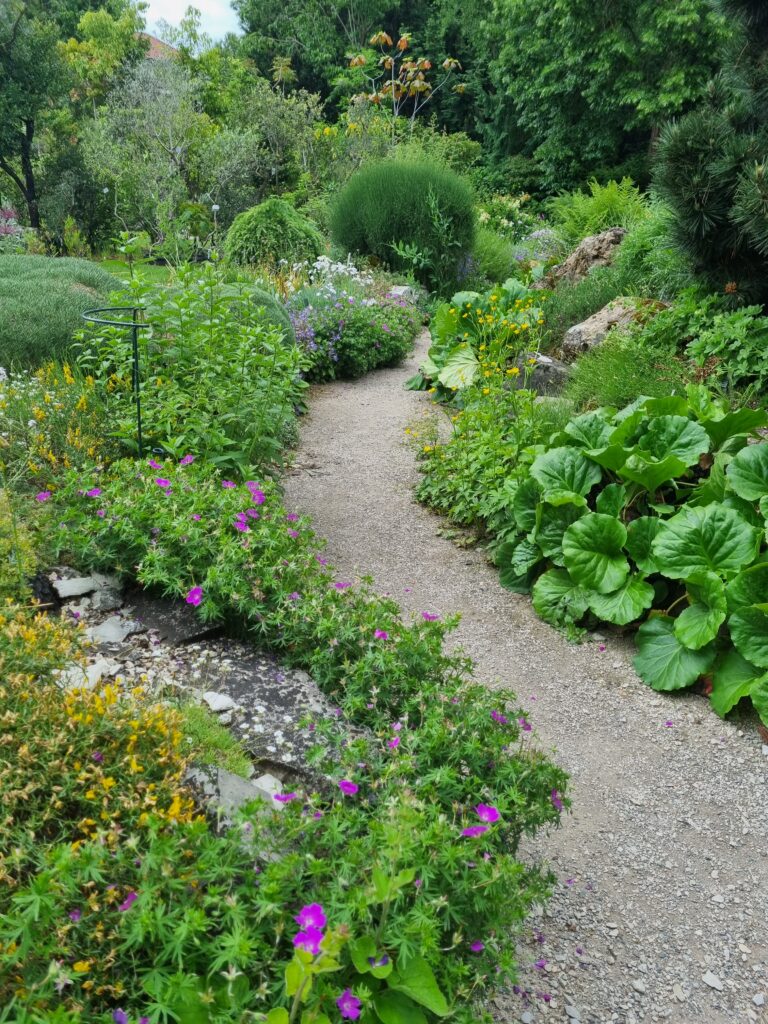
x: 513, y: 372
x: 81, y: 966
x: 486, y: 391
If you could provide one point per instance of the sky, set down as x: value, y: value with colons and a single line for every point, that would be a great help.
x: 218, y: 18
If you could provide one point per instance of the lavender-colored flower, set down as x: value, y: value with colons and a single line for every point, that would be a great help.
x: 498, y: 717
x: 293, y: 533
x: 477, y: 947
x: 155, y: 465
x: 341, y: 586
x: 295, y: 596
x: 195, y: 596
x: 43, y: 496
x: 120, y: 1017
x: 94, y: 492
x: 128, y: 902
x: 97, y: 756
x: 187, y: 460
x: 349, y: 1005
x: 309, y: 940
x: 557, y: 803
x: 162, y: 482
x: 75, y: 915
x: 381, y: 634
x: 241, y: 525
x: 429, y: 617
x: 394, y: 743
x: 525, y: 725
x: 292, y: 517
x: 311, y: 916
x: 284, y: 798
x: 474, y: 830
x: 487, y: 813
x: 347, y: 787
x: 228, y: 484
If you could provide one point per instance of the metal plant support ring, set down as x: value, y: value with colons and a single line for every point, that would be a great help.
x: 134, y: 326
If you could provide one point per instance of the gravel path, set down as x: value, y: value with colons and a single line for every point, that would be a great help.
x: 661, y: 911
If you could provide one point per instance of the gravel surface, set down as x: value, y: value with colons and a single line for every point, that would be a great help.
x: 661, y: 909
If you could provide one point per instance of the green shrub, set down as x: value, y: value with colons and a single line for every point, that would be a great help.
x: 621, y: 369
x: 734, y: 346
x: 651, y: 259
x: 274, y: 312
x: 426, y: 211
x: 41, y: 302
x: 495, y: 256
x: 615, y: 204
x: 271, y: 232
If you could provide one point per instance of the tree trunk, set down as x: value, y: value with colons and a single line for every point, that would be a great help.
x: 30, y: 185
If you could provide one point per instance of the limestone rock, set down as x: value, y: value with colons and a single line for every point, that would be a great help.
x: 218, y: 701
x: 547, y: 377
x: 75, y: 587
x: 593, y: 251
x: 590, y: 332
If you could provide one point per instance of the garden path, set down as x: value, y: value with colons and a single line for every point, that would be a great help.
x: 663, y: 863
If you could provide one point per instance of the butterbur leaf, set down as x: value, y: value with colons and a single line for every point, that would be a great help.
x: 746, y: 509
x: 749, y: 632
x: 589, y: 430
x: 651, y: 473
x: 557, y: 599
x: 708, y: 539
x: 612, y: 456
x: 698, y: 624
x: 748, y: 588
x: 461, y: 368
x: 663, y: 662
x: 396, y: 1008
x: 515, y: 560
x: 641, y: 533
x: 624, y: 605
x: 592, y: 552
x: 526, y: 499
x: 667, y: 407
x: 759, y: 695
x: 674, y: 435
x: 742, y: 421
x: 565, y: 469
x: 611, y: 500
x: 734, y: 678
x: 747, y: 473
x: 415, y: 979
x: 553, y: 523
x: 558, y: 498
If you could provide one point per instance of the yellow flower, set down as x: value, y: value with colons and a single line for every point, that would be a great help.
x: 486, y: 391
x: 81, y: 966
x: 427, y: 447
x: 513, y: 372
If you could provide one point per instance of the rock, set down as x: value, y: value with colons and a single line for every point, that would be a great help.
x: 404, y: 292
x: 639, y: 986
x: 114, y: 630
x: 572, y: 1013
x: 548, y: 377
x: 87, y: 677
x: 765, y: 750
x: 227, y: 792
x: 712, y: 980
x: 107, y: 580
x: 593, y: 251
x: 106, y: 599
x: 679, y: 993
x: 176, y: 622
x: 269, y: 784
x: 526, y: 1017
x: 75, y: 587
x: 218, y: 701
x: 225, y: 718
x: 759, y: 999
x: 592, y: 331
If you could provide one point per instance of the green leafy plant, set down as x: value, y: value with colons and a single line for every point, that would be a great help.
x: 734, y: 345
x: 615, y: 204
x: 271, y: 232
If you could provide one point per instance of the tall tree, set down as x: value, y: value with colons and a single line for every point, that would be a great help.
x: 592, y: 82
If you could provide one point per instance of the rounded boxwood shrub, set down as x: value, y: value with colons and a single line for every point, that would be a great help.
x: 270, y: 232
x: 428, y: 209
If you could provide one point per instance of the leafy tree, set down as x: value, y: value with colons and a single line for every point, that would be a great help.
x: 712, y: 165
x: 591, y: 84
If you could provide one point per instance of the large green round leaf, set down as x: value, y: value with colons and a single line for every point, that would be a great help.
x: 461, y: 368
x: 698, y: 624
x: 592, y: 552
x: 611, y: 500
x: 640, y: 536
x: 732, y: 424
x: 516, y: 560
x: 591, y: 430
x: 749, y: 632
x: 748, y: 472
x: 708, y: 539
x: 734, y: 678
x: 557, y: 599
x: 759, y: 695
x: 662, y: 662
x: 748, y: 588
x: 625, y: 604
x: 674, y: 435
x: 565, y: 469
x: 651, y: 473
x: 553, y: 522
x: 527, y: 497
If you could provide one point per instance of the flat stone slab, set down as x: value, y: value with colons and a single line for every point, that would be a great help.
x: 75, y: 586
x: 114, y: 630
x: 174, y: 622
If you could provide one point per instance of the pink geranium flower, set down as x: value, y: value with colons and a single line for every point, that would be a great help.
x: 195, y: 596
x: 347, y: 787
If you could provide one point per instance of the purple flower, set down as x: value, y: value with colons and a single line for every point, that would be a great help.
x: 195, y: 596
x: 101, y: 512
x: 284, y: 798
x: 557, y: 803
x: 257, y: 496
x: 75, y: 915
x: 487, y: 813
x: 252, y: 513
x: 525, y: 724
x: 394, y: 742
x: 120, y: 1017
x: 322, y: 561
x: 341, y: 586
x: 187, y: 460
x: 669, y: 723
x: 317, y: 814
x: 477, y: 947
x: 311, y: 916
x: 293, y: 533
x: 128, y: 902
x: 94, y: 492
x: 196, y: 516
x: 540, y: 965
x: 381, y: 634
x: 162, y: 482
x: 155, y: 465
x: 228, y: 484
x: 309, y: 940
x: 241, y: 525
x: 295, y: 596
x: 381, y: 962
x: 397, y: 727
x: 97, y: 756
x: 292, y: 517
x: 601, y: 648
x: 474, y: 830
x: 347, y: 787
x: 429, y: 617
x: 498, y: 717
x: 43, y: 496
x: 349, y: 1005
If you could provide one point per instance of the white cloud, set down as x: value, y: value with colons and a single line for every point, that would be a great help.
x: 217, y: 16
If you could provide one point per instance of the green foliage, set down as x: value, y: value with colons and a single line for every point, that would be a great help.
x: 270, y: 310
x: 425, y: 210
x: 710, y: 166
x: 615, y: 204
x: 218, y: 381
x: 271, y: 232
x: 737, y: 344
x: 649, y: 257
x: 209, y: 742
x: 622, y: 367
x: 569, y: 304
x: 494, y: 254
x: 660, y: 505
x: 41, y: 302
